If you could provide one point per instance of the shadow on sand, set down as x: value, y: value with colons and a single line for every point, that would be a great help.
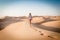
x: 9, y: 20
x: 39, y: 25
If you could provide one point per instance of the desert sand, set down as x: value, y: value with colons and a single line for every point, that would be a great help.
x: 38, y: 30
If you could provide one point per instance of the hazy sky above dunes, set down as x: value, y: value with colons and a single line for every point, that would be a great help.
x: 24, y: 7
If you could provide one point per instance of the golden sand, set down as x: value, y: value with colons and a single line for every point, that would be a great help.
x: 23, y: 31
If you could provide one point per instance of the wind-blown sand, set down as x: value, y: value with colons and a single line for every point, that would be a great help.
x: 22, y: 30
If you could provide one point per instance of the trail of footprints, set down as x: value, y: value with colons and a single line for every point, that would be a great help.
x: 48, y: 20
x: 12, y: 20
x: 42, y: 34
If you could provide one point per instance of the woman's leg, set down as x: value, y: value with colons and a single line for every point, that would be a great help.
x: 30, y: 21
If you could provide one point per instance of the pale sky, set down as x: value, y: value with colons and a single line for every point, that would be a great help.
x: 23, y: 8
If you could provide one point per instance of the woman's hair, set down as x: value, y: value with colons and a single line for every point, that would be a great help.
x: 29, y: 13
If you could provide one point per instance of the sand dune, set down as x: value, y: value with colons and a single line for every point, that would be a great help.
x: 21, y: 30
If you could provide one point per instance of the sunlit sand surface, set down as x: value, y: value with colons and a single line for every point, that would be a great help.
x: 22, y: 30
x: 56, y: 24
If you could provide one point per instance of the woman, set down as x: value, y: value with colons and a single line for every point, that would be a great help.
x: 30, y: 18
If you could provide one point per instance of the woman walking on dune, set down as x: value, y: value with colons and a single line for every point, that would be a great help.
x: 30, y: 18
